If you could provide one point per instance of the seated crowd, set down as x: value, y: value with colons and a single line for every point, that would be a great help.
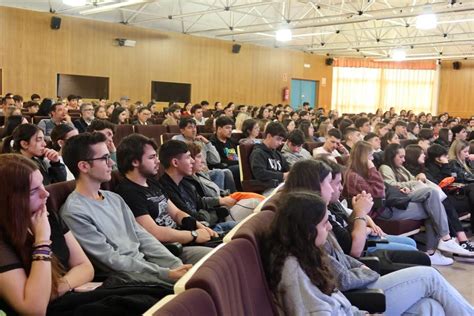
x: 141, y: 211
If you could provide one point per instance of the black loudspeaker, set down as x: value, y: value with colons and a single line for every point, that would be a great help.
x: 329, y: 61
x: 55, y: 23
x: 236, y: 48
x: 456, y: 65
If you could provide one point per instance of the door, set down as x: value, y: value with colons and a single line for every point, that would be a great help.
x: 303, y: 91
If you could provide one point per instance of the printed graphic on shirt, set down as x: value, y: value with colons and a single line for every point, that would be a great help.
x: 163, y: 218
x: 274, y: 164
x: 231, y: 154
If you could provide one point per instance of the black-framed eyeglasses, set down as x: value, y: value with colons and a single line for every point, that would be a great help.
x: 107, y: 158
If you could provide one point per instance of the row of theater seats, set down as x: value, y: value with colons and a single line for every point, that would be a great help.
x: 231, y: 279
x: 152, y: 131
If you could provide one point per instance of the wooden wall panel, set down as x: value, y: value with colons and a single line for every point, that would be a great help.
x: 456, y: 94
x: 31, y: 54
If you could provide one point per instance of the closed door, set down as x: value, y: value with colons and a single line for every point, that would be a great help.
x: 303, y: 91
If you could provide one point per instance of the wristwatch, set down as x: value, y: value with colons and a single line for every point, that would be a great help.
x: 194, y: 234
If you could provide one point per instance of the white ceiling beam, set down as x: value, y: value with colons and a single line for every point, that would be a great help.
x: 209, y: 11
x: 357, y: 20
x: 110, y: 7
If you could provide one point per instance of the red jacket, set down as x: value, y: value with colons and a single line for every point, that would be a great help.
x: 355, y: 184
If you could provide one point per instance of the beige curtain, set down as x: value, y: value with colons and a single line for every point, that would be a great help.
x: 358, y: 90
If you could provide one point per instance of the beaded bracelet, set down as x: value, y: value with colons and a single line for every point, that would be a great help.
x: 41, y: 259
x: 42, y: 252
x: 42, y: 246
x: 43, y: 243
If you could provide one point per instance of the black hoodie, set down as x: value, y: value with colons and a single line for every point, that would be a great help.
x: 267, y: 164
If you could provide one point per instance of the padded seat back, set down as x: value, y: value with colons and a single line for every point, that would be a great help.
x: 310, y: 146
x: 253, y: 229
x: 235, y: 279
x: 207, y: 135
x: 192, y: 302
x: 201, y: 129
x: 151, y: 131
x: 249, y: 184
x: 58, y: 193
x: 173, y: 129
x: 37, y: 119
x: 398, y: 227
x: 166, y: 137
x: 236, y: 137
x: 122, y: 131
x: 244, y: 159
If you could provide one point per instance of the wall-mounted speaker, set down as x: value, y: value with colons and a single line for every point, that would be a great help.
x: 456, y: 65
x: 236, y: 48
x: 55, y: 23
x: 329, y: 61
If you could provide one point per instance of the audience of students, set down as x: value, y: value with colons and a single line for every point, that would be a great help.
x: 191, y: 205
x: 306, y: 269
x: 153, y: 210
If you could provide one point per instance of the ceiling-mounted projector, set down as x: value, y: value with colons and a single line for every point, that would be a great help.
x: 126, y: 42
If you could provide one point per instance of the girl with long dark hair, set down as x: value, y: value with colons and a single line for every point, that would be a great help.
x: 119, y: 116
x: 305, y: 280
x: 41, y: 260
x: 28, y: 140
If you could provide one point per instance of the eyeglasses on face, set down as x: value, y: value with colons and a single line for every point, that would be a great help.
x: 107, y: 158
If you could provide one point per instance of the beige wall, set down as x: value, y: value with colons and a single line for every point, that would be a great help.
x: 456, y: 94
x: 31, y: 54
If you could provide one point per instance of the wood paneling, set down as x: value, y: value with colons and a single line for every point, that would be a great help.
x: 31, y: 54
x: 456, y: 94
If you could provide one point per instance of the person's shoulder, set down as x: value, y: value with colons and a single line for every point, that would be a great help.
x: 45, y: 121
x: 291, y: 267
x: 178, y: 137
x: 213, y: 138
x: 259, y: 148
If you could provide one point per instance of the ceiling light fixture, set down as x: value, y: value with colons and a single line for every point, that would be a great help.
x: 75, y: 3
x: 399, y: 54
x: 114, y: 6
x: 283, y: 35
x: 427, y: 20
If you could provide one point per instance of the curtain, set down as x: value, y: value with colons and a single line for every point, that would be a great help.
x: 358, y: 90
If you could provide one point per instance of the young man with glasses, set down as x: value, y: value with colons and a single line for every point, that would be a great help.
x: 103, y: 223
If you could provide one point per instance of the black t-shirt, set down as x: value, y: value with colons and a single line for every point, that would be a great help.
x: 149, y: 200
x: 227, y: 151
x: 338, y: 220
x: 9, y: 260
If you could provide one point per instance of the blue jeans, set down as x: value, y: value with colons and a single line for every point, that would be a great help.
x: 224, y: 227
x: 394, y: 243
x: 413, y: 290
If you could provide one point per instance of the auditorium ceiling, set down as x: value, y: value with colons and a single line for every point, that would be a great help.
x: 337, y: 28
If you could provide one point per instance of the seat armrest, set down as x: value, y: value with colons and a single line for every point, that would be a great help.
x: 370, y: 300
x: 372, y: 262
x: 374, y: 242
x: 175, y: 248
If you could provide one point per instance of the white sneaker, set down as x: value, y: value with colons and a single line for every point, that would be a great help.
x: 437, y: 259
x: 453, y: 247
